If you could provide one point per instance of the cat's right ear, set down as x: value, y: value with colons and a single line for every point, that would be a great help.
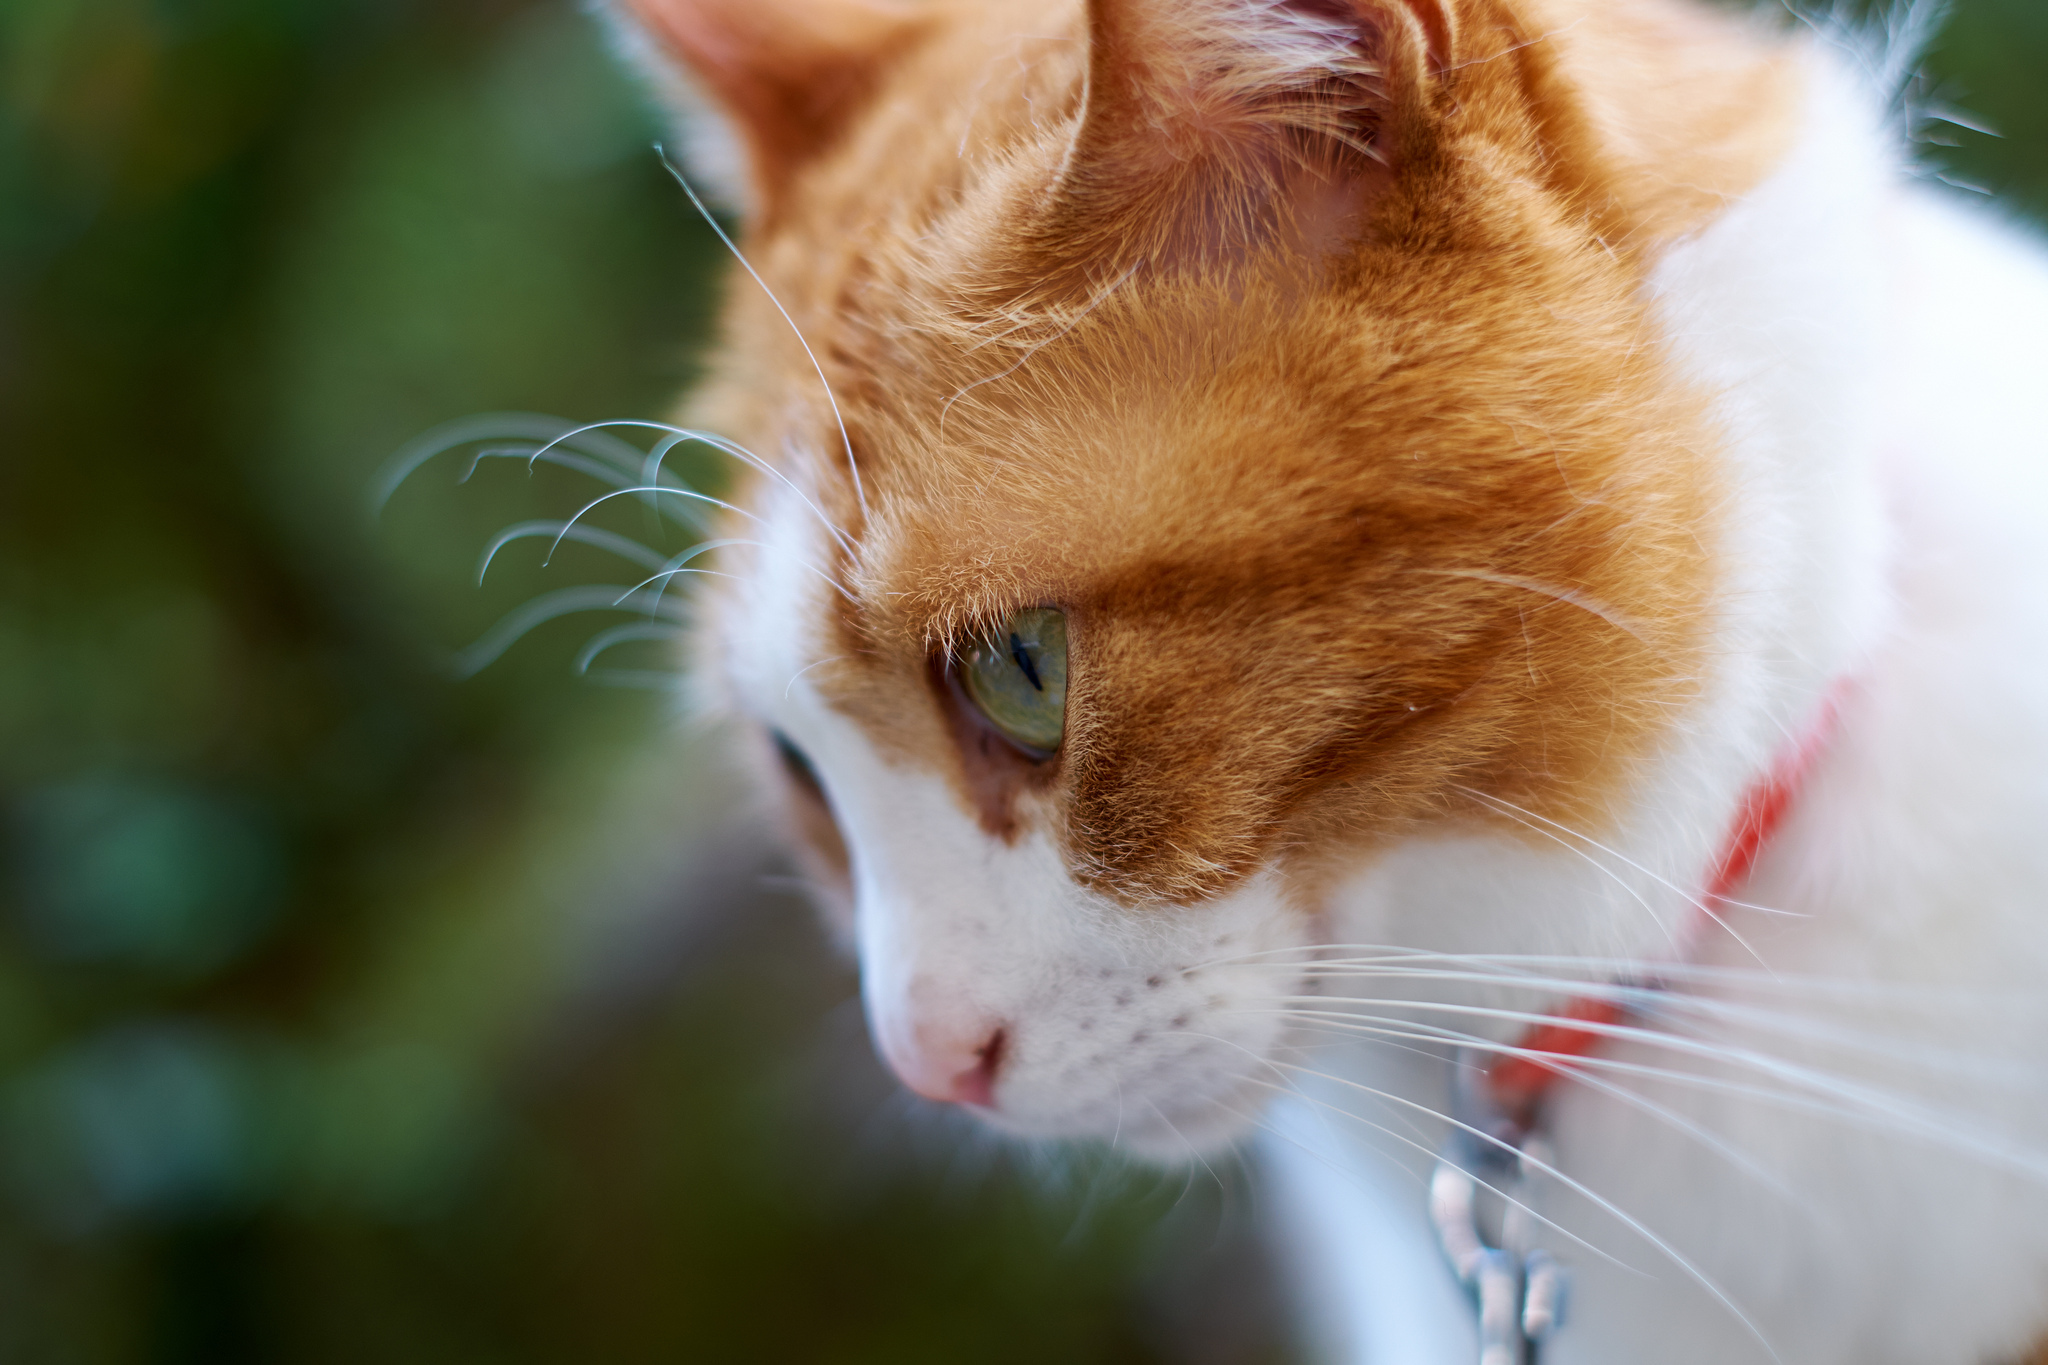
x: 1213, y: 128
x: 786, y: 74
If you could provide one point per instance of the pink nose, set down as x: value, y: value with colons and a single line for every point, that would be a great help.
x: 952, y: 1069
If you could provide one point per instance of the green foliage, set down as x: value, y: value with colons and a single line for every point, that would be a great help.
x: 348, y: 1010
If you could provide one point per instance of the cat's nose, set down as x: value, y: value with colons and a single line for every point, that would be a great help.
x: 950, y: 1065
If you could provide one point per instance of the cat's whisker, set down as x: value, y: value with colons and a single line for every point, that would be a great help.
x: 1672, y: 1009
x: 601, y: 499
x: 652, y: 474
x: 677, y: 563
x: 404, y: 462
x: 630, y: 632
x: 1413, y: 1140
x: 1693, y: 899
x: 1100, y: 1176
x: 1193, y: 1151
x: 661, y: 580
x: 1854, y: 1102
x: 1697, y: 902
x: 1665, y: 1003
x: 1397, y: 952
x: 1287, y: 1087
x: 1651, y: 989
x: 1435, y: 1037
x: 1400, y: 1034
x: 1591, y: 605
x: 1666, y: 929
x: 1634, y: 1224
x: 718, y: 443
x: 651, y: 471
x: 622, y: 546
x: 514, y: 625
x: 1648, y: 985
x: 1326, y: 1006
x: 860, y: 496
x: 819, y: 663
x: 531, y: 455
x: 1607, y: 970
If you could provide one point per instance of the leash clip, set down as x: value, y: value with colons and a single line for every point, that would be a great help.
x: 1518, y: 1289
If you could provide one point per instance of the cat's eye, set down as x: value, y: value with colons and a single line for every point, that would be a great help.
x: 797, y: 764
x: 1017, y: 676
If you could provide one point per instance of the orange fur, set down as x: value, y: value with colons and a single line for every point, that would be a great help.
x: 1346, y: 516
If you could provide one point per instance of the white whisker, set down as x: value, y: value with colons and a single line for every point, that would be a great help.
x: 719, y: 443
x: 1534, y: 821
x: 677, y: 565
x: 660, y: 583
x: 1659, y: 1001
x: 1399, y: 1034
x: 532, y: 455
x: 1854, y: 1101
x: 1591, y: 605
x: 622, y: 546
x: 514, y: 625
x: 630, y: 632
x: 860, y: 496
x: 1605, y: 970
x: 1193, y: 1151
x: 1423, y: 1110
x: 805, y: 669
x: 1635, y: 1225
x: 485, y: 427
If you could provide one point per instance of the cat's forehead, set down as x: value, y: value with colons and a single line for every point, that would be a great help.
x: 1171, y: 439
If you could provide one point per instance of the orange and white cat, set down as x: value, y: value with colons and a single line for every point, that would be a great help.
x: 1288, y: 529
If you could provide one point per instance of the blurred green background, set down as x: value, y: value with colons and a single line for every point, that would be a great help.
x: 352, y: 1012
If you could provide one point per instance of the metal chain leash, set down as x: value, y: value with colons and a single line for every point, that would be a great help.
x: 1518, y: 1289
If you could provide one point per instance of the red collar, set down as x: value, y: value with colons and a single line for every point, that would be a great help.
x: 1521, y: 1077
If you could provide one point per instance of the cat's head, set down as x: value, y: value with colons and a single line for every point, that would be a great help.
x: 1252, y: 448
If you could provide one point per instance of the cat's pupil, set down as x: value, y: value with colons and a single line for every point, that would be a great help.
x: 1023, y: 658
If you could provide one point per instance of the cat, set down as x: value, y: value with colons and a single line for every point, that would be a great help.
x: 1291, y: 537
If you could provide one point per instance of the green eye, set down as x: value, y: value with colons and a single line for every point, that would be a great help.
x: 1018, y: 677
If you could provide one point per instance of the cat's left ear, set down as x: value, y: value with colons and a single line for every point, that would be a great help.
x: 789, y: 75
x: 1213, y: 127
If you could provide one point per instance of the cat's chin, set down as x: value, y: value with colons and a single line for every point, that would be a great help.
x: 1158, y: 1136
x: 1184, y: 1142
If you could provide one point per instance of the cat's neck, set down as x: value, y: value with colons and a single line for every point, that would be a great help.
x: 1867, y: 345
x: 1771, y: 310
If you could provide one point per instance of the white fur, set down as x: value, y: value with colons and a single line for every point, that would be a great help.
x: 1876, y: 352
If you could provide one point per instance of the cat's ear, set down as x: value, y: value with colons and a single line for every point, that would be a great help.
x: 1214, y: 126
x: 787, y: 74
